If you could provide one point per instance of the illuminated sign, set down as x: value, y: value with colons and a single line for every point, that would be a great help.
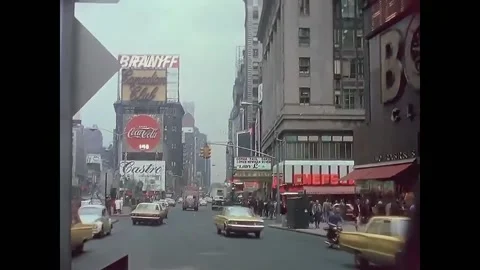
x: 385, y: 12
x: 144, y: 85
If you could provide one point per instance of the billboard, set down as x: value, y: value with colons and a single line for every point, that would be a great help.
x: 94, y: 159
x: 253, y: 163
x: 243, y: 141
x: 143, y: 133
x: 170, y: 63
x: 143, y: 85
x: 150, y: 173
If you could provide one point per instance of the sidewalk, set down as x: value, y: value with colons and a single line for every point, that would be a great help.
x: 348, y: 227
x: 126, y: 210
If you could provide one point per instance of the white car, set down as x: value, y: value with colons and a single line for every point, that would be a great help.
x: 91, y: 202
x: 170, y: 201
x: 209, y: 199
x: 203, y: 202
x: 96, y: 215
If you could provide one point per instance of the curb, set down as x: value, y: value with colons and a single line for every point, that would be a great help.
x: 121, y: 215
x: 114, y: 221
x: 297, y: 231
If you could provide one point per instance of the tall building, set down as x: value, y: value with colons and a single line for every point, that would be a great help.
x: 196, y: 170
x: 252, y: 60
x: 93, y: 140
x: 189, y: 107
x: 313, y: 89
x: 79, y: 168
x: 388, y: 145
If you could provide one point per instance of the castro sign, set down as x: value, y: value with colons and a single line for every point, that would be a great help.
x: 143, y: 133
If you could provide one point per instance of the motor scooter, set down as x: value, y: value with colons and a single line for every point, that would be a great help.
x: 333, y: 235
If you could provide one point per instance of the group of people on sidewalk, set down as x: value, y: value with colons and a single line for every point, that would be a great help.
x: 263, y: 208
x: 363, y: 208
x: 321, y: 212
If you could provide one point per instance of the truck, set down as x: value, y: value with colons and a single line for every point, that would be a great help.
x: 191, y: 196
x: 218, y: 197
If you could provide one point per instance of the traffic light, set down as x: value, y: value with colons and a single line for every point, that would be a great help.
x: 208, y: 152
x: 202, y: 152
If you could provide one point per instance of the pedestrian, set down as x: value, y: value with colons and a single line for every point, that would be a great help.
x: 356, y: 213
x: 326, y: 208
x: 317, y: 213
x: 283, y: 213
x: 310, y: 212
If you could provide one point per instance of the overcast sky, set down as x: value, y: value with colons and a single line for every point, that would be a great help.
x: 205, y: 33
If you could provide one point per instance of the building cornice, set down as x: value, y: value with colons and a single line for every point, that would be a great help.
x: 262, y: 24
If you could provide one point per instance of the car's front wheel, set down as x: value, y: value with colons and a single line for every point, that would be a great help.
x: 257, y: 234
x: 219, y: 231
x: 360, y: 262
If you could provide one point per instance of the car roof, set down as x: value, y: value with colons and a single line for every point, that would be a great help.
x: 93, y: 206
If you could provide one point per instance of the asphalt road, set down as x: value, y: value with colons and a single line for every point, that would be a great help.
x: 188, y: 241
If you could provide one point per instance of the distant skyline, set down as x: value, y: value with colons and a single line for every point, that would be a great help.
x: 189, y: 28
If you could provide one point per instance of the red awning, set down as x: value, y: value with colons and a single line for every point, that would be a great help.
x: 333, y: 190
x: 378, y: 171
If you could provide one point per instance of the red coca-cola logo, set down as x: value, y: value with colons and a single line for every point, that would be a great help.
x: 142, y: 132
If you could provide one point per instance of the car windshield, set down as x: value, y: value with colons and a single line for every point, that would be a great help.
x: 145, y: 206
x: 189, y: 197
x: 91, y: 211
x: 403, y: 226
x: 240, y: 212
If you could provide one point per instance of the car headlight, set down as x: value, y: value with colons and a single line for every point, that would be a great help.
x: 98, y: 225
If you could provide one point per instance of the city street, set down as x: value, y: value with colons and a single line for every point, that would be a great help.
x: 188, y: 241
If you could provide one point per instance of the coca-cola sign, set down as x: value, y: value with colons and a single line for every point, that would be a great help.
x: 143, y: 133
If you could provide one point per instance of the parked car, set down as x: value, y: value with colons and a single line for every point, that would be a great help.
x: 380, y: 244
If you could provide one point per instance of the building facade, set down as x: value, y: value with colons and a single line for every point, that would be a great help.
x: 387, y: 146
x: 196, y: 170
x: 312, y: 85
x: 252, y: 57
x: 167, y: 122
x: 93, y: 140
x: 189, y: 107
x: 79, y: 165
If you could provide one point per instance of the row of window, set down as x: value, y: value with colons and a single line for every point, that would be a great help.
x: 332, y: 150
x: 347, y: 98
x: 346, y: 68
x: 348, y: 9
x: 348, y: 39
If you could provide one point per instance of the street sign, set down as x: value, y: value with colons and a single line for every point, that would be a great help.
x: 93, y: 66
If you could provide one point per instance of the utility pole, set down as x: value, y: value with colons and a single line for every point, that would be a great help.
x: 277, y: 174
x: 106, y: 182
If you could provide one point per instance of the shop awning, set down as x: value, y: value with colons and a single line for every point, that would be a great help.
x: 385, y: 170
x: 324, y: 190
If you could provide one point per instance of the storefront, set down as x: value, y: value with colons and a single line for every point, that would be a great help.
x: 254, y: 174
x: 386, y: 148
x: 319, y: 179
